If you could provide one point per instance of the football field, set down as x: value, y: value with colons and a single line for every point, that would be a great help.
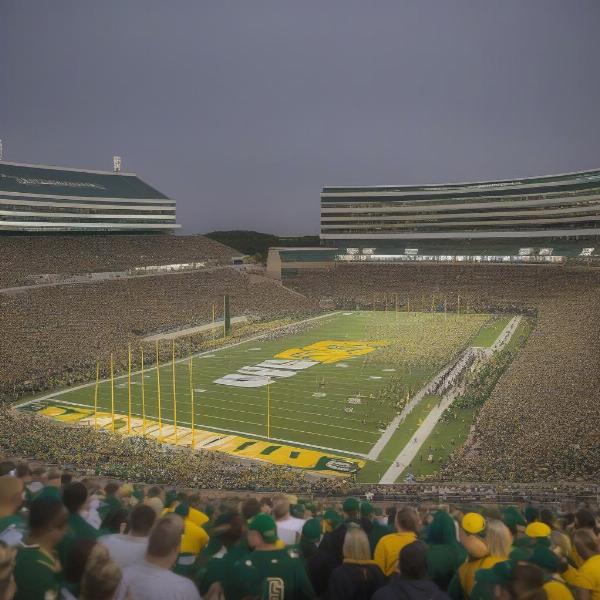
x: 310, y: 394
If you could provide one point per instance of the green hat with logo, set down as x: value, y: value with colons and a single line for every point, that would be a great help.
x: 265, y: 525
x: 311, y: 530
x: 366, y: 509
x: 351, y: 505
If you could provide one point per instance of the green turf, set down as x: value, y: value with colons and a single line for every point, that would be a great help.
x: 489, y: 333
x: 419, y: 344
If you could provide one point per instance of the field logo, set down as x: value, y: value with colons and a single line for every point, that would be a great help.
x: 332, y: 351
x: 292, y: 361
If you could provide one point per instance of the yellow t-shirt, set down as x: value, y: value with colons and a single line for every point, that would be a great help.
x: 197, y: 517
x: 194, y: 538
x: 466, y: 571
x: 388, y: 548
x: 555, y: 590
x: 588, y: 576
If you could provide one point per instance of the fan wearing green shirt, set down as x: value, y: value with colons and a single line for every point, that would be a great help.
x: 37, y: 567
x: 75, y: 498
x: 269, y: 572
x: 13, y: 528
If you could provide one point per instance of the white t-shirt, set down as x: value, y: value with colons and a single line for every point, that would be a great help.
x: 145, y: 581
x: 289, y: 528
x: 125, y: 550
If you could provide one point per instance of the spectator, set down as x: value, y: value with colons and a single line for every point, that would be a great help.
x: 586, y: 578
x: 269, y: 570
x: 74, y: 567
x: 101, y: 576
x: 374, y: 523
x: 557, y: 537
x: 37, y: 567
x: 8, y: 587
x: 129, y: 549
x: 75, y: 497
x: 250, y: 508
x: 229, y: 530
x: 389, y: 546
x: 288, y: 527
x: 13, y: 528
x: 515, y: 581
x: 359, y: 577
x: 444, y: 553
x: 155, y: 499
x: 52, y: 485
x: 411, y: 580
x: 152, y: 579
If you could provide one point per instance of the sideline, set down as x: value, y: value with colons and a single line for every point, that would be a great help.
x: 410, y: 451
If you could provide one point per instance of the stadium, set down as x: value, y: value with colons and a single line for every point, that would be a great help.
x: 436, y: 359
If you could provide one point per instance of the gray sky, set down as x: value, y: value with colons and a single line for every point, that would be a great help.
x: 242, y: 110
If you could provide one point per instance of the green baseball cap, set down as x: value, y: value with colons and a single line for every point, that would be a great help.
x: 311, y: 530
x: 350, y: 505
x: 265, y: 525
x: 366, y: 509
x: 298, y: 511
x: 512, y: 517
x: 333, y: 517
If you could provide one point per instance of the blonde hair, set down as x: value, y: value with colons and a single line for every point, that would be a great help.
x: 281, y: 507
x: 498, y: 538
x: 356, y: 544
x: 101, y: 576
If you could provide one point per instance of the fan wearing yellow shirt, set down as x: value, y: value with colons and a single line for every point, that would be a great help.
x: 193, y: 541
x: 585, y: 579
x: 389, y: 546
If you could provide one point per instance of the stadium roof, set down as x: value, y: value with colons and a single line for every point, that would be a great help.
x: 16, y: 178
x: 576, y: 178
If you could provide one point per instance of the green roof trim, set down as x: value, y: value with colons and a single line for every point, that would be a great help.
x: 56, y: 181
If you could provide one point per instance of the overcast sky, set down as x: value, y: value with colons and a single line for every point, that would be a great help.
x: 242, y: 110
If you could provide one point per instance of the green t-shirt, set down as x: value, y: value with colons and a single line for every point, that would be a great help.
x: 272, y: 575
x: 77, y: 529
x: 13, y: 530
x: 36, y: 574
x: 220, y: 567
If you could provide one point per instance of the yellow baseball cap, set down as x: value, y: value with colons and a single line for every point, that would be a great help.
x: 537, y: 530
x: 473, y: 523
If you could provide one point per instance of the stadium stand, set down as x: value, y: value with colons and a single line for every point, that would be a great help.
x: 540, y: 421
x: 54, y: 335
x: 93, y: 537
x: 25, y: 258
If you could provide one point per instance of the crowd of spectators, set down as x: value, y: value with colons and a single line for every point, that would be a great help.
x: 540, y: 422
x: 54, y: 336
x: 24, y: 257
x: 91, y: 538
